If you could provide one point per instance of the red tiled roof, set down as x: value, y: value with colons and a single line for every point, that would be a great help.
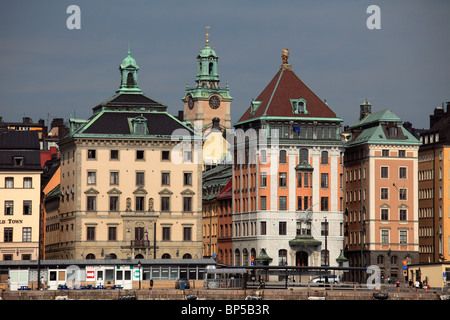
x: 276, y: 99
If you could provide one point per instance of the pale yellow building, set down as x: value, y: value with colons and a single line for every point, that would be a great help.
x: 20, y: 189
x: 127, y: 189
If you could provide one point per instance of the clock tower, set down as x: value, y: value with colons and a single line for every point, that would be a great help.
x: 207, y: 100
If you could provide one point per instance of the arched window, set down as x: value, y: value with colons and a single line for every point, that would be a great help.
x: 139, y: 256
x: 237, y: 258
x: 380, y: 260
x: 90, y: 256
x: 304, y: 156
x: 165, y: 256
x: 282, y: 257
x: 187, y: 256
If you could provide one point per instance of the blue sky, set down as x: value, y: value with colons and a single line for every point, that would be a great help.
x: 47, y: 70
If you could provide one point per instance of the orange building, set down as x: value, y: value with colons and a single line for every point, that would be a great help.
x: 287, y: 177
x: 381, y: 188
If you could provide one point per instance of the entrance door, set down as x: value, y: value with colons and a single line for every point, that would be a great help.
x: 301, y: 259
x: 55, y: 278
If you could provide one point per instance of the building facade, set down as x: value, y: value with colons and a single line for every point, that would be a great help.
x: 287, y: 187
x: 434, y: 189
x: 20, y: 192
x: 381, y: 188
x: 127, y: 190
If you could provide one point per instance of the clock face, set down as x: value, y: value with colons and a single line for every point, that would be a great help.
x: 190, y: 103
x: 214, y: 102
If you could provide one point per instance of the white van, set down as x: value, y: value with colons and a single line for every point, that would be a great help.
x: 332, y: 278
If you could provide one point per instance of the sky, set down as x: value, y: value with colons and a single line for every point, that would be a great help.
x: 50, y: 71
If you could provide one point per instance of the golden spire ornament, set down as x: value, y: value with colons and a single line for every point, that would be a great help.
x: 207, y: 34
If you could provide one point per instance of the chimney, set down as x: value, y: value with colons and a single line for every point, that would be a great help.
x: 180, y: 115
x: 364, y: 109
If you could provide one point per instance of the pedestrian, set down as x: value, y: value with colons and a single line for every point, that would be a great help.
x: 389, y: 280
x: 9, y: 284
x: 397, y: 284
x: 42, y: 283
x: 417, y: 285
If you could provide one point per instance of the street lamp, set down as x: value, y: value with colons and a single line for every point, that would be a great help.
x: 139, y: 266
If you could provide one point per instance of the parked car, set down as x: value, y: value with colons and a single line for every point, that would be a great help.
x: 332, y: 278
x: 186, y: 283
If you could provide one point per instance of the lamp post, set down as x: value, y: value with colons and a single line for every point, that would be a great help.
x: 139, y: 266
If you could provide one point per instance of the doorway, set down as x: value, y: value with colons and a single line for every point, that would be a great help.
x: 301, y: 259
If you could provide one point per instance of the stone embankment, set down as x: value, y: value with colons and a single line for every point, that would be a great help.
x: 211, y: 294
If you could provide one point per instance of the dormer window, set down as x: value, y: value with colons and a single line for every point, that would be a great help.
x: 393, y: 131
x: 138, y: 125
x: 254, y: 106
x: 299, y: 106
x: 18, y: 161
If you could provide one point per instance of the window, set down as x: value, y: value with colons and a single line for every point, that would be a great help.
x: 139, y: 203
x: 402, y: 194
x: 263, y: 179
x: 263, y: 230
x: 27, y: 183
x: 384, y: 236
x: 282, y: 257
x: 282, y: 179
x: 9, y: 208
x: 165, y: 155
x: 9, y: 183
x: 165, y: 178
x: 305, y: 200
x: 166, y: 233
x: 90, y: 233
x: 187, y: 203
x: 401, y: 153
x: 26, y: 234
x: 139, y: 178
x: 324, y: 157
x: 282, y: 203
x: 403, y: 214
x: 114, y: 154
x: 139, y: 154
x: 384, y: 193
x: 113, y: 203
x: 282, y: 156
x: 304, y: 156
x: 27, y: 207
x: 112, y: 233
x: 263, y: 156
x: 187, y: 178
x: 402, y: 173
x: 18, y: 161
x: 114, y: 178
x: 385, y: 153
x: 299, y: 179
x: 8, y: 235
x: 91, y: 177
x: 282, y: 228
x: 306, y: 179
x: 299, y: 203
x: 91, y: 154
x: 91, y: 203
x: 165, y: 203
x: 324, y: 180
x: 403, y: 236
x: 324, y: 203
x: 263, y: 205
x: 384, y: 214
x: 187, y: 234
x: 384, y: 172
x: 393, y: 131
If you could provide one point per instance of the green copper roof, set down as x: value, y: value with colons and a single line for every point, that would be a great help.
x: 304, y: 240
x: 374, y: 130
x: 383, y: 115
x: 207, y: 51
x: 129, y: 61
